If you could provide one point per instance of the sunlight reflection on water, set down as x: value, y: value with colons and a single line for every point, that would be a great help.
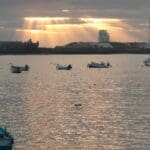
x: 38, y: 106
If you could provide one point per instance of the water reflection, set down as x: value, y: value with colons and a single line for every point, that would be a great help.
x: 39, y: 108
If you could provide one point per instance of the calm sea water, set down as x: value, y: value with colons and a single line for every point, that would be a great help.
x: 38, y: 107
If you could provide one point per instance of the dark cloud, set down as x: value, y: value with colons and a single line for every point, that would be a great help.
x: 97, y: 8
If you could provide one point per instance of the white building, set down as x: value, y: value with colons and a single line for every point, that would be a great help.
x: 104, y: 39
x: 103, y: 36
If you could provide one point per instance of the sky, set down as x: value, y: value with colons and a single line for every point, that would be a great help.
x: 58, y: 22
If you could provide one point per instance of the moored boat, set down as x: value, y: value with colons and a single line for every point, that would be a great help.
x: 19, y: 69
x: 63, y: 67
x: 99, y: 65
x: 147, y: 62
x: 6, y: 140
x: 15, y: 69
x: 25, y: 68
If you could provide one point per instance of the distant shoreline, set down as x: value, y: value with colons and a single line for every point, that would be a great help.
x: 31, y: 48
x: 75, y: 51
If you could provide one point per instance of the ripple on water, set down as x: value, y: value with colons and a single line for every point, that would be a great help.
x: 38, y: 107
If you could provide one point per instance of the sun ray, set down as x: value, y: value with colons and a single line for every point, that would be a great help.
x: 62, y: 30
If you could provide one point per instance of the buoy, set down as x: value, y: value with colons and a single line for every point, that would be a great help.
x: 78, y: 105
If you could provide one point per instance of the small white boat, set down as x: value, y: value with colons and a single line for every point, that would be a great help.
x: 78, y: 105
x: 6, y: 140
x: 99, y: 65
x: 25, y: 68
x: 63, y: 67
x: 19, y: 69
x: 15, y: 69
x: 147, y: 62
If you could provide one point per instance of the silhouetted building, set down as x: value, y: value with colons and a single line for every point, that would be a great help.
x: 82, y: 45
x: 104, y: 36
x: 104, y: 39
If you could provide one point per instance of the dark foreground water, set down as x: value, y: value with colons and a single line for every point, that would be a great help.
x: 38, y: 107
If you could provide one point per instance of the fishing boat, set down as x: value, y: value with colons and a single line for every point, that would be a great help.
x: 78, y: 105
x: 99, y: 65
x: 25, y: 68
x: 19, y: 69
x: 6, y: 140
x: 15, y: 69
x: 63, y: 67
x: 147, y: 62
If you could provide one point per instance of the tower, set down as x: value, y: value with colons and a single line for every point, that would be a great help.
x: 103, y: 36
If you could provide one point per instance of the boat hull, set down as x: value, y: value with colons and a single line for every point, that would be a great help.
x: 61, y: 67
x: 97, y: 66
x: 147, y: 64
x: 19, y: 69
x: 25, y: 68
x: 15, y: 69
x: 6, y: 140
x: 6, y: 147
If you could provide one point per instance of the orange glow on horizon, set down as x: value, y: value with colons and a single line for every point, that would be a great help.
x: 52, y: 31
x: 44, y: 18
x: 36, y: 31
